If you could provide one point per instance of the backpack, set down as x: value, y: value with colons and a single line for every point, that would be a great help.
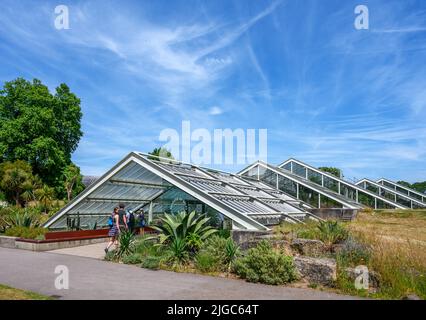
x: 110, y: 221
x: 131, y: 219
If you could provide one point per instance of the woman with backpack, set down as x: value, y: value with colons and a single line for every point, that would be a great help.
x: 114, y: 231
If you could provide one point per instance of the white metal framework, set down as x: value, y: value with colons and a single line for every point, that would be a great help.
x: 139, y: 181
x: 391, y: 193
x: 403, y: 189
x: 302, y: 189
x: 349, y: 190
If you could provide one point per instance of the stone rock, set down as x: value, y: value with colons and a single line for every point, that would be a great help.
x: 316, y: 270
x: 373, y: 277
x: 308, y: 247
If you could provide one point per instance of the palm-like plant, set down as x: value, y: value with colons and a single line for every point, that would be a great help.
x: 45, y: 196
x: 331, y: 232
x: 183, y: 232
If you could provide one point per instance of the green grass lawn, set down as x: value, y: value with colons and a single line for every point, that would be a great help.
x: 8, y: 293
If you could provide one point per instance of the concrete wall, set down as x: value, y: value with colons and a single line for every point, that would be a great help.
x: 335, y: 213
x: 12, y: 242
x: 242, y: 236
x: 7, y: 242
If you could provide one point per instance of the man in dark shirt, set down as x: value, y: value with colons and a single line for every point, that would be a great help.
x: 122, y: 216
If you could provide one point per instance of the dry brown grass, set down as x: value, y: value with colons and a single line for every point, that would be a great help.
x: 398, y: 243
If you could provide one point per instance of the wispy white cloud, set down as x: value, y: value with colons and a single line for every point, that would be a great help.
x: 215, y: 110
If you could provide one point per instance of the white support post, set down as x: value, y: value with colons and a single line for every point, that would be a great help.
x: 322, y: 180
x: 297, y: 191
x: 277, y: 182
x: 375, y: 203
x: 357, y: 196
x: 150, y: 212
x: 338, y: 186
x: 319, y: 201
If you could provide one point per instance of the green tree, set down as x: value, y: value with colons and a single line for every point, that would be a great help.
x: 72, y: 181
x: 39, y: 127
x: 16, y: 181
x: 45, y: 195
x: 332, y: 170
x: 160, y: 152
x: 418, y: 186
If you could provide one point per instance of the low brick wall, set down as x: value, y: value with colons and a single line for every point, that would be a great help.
x: 44, y: 245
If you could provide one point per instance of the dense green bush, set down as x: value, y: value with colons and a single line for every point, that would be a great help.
x: 151, y: 262
x: 133, y: 258
x: 224, y: 233
x: 264, y: 264
x: 206, y: 262
x: 26, y: 232
x: 217, y: 254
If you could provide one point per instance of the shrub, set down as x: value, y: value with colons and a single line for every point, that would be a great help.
x: 289, y: 231
x: 331, y: 232
x: 151, y: 262
x: 212, y: 256
x: 224, y: 233
x: 217, y: 254
x: 27, y: 233
x: 146, y: 247
x: 353, y: 253
x: 205, y: 262
x: 265, y: 265
x: 133, y: 258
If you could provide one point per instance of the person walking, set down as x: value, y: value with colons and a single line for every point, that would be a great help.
x: 122, y: 217
x: 114, y: 231
x: 142, y: 222
x: 130, y: 218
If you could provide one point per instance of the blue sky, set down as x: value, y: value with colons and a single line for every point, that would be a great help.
x: 327, y: 93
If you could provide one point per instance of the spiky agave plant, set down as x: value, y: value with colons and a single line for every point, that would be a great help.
x: 179, y: 232
x: 232, y: 251
x: 126, y: 244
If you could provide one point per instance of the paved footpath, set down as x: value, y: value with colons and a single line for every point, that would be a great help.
x: 96, y: 279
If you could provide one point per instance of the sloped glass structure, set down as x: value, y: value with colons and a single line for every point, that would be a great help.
x: 317, y: 188
x: 347, y: 189
x: 403, y: 189
x: 393, y: 193
x: 140, y: 182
